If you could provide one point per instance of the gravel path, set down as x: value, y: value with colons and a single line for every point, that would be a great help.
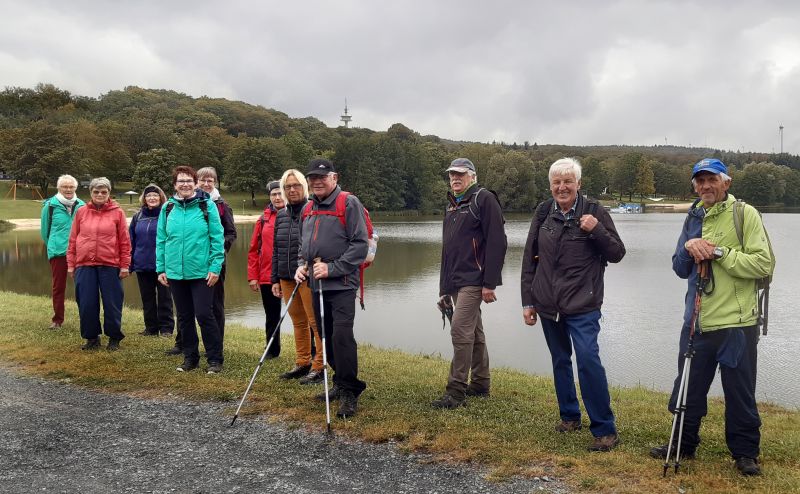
x: 57, y: 437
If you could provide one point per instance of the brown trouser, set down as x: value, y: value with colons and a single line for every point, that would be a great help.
x: 469, y: 344
x: 302, y: 313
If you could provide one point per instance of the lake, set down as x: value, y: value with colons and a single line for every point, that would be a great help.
x: 641, y: 314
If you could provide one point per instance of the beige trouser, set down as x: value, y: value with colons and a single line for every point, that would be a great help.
x: 469, y: 344
x: 302, y: 313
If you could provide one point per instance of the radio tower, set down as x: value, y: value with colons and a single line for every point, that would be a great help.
x: 345, y: 118
x: 780, y: 133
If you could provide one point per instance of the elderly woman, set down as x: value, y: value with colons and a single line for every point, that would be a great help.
x: 156, y: 299
x: 57, y: 215
x: 98, y: 257
x: 189, y: 255
x: 259, y: 265
x: 571, y: 239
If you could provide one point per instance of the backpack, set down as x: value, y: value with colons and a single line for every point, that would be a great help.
x: 203, y: 207
x: 339, y: 212
x: 50, y: 209
x: 762, y: 284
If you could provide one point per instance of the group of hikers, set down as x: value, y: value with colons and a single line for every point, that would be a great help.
x: 311, y: 243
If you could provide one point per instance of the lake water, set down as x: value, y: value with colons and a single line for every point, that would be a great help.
x: 641, y: 314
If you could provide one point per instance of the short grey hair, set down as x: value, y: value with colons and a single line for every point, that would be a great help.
x: 99, y: 183
x: 565, y: 166
x: 66, y: 178
x: 724, y: 176
x: 207, y: 171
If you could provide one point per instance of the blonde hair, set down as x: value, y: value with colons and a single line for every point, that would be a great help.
x: 291, y: 172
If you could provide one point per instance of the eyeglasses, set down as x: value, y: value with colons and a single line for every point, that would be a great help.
x: 152, y: 195
x: 292, y: 186
x: 100, y: 192
x: 207, y: 180
x: 275, y: 194
x: 184, y: 181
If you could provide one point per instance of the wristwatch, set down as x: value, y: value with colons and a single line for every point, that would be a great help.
x: 718, y: 252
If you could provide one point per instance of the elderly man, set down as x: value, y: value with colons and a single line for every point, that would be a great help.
x: 571, y: 239
x: 473, y: 250
x: 726, y: 329
x: 337, y: 246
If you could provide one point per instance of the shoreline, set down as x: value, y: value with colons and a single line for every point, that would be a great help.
x: 33, y: 223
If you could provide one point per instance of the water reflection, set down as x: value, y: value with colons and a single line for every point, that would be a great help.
x: 641, y: 315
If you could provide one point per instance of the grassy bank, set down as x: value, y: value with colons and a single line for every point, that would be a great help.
x: 510, y: 433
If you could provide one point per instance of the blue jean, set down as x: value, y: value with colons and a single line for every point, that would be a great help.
x: 92, y: 283
x: 579, y: 331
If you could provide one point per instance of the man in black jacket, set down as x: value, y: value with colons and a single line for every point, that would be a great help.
x: 569, y: 243
x: 473, y: 250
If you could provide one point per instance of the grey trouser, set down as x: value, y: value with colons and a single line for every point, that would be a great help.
x: 469, y: 344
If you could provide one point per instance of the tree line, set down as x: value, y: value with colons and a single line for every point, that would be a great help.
x: 138, y: 135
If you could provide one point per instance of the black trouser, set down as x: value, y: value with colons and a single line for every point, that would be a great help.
x: 193, y: 300
x: 742, y: 421
x: 219, y: 304
x: 272, y: 309
x: 340, y: 344
x: 156, y: 303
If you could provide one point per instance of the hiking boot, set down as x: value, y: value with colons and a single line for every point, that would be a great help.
x: 55, y: 325
x: 348, y: 404
x: 748, y: 466
x: 147, y: 332
x: 660, y: 452
x: 187, y: 365
x: 448, y: 402
x: 113, y: 345
x: 477, y: 393
x: 313, y: 377
x: 92, y: 344
x: 333, y: 394
x: 165, y: 334
x: 569, y: 426
x: 214, y: 368
x: 296, y: 373
x: 604, y: 443
x: 176, y: 350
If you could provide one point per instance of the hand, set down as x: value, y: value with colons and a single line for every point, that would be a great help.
x: 276, y: 290
x: 320, y: 270
x: 71, y: 273
x: 253, y: 285
x: 588, y: 222
x: 124, y: 273
x: 529, y: 316
x: 301, y: 274
x: 162, y: 278
x: 700, y: 249
x: 488, y: 295
x: 211, y: 279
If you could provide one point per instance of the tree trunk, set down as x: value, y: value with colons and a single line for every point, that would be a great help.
x: 253, y: 197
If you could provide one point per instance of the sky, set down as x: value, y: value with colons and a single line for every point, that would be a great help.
x: 722, y: 74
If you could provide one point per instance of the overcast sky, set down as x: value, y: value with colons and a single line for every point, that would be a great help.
x: 720, y: 73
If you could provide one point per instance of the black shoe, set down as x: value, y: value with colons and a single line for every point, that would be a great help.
x: 91, y: 344
x: 348, y: 404
x: 187, y: 365
x: 214, y: 368
x: 333, y: 394
x: 660, y: 452
x: 477, y: 393
x: 165, y: 334
x: 748, y: 466
x: 113, y: 345
x: 313, y: 377
x: 176, y: 350
x: 147, y: 332
x: 448, y: 402
x: 296, y: 373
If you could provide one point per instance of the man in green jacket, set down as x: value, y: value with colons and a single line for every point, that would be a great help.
x: 55, y: 225
x: 726, y: 328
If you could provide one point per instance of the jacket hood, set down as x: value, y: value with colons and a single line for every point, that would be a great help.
x: 198, y: 195
x: 111, y: 204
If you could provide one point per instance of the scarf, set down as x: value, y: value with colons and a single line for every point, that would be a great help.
x: 68, y: 203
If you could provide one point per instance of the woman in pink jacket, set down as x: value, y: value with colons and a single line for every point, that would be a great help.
x: 98, y: 257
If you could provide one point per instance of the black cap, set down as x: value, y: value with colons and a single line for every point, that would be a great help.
x: 273, y: 185
x: 320, y: 167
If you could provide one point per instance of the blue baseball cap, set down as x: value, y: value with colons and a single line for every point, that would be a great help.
x: 710, y: 165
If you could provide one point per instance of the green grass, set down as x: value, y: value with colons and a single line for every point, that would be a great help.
x: 510, y: 433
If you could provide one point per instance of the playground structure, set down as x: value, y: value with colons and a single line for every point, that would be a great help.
x: 12, y: 191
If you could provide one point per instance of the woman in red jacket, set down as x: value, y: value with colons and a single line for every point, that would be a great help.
x: 259, y: 265
x: 98, y: 257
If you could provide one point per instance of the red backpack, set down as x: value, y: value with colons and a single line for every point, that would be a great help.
x: 339, y: 212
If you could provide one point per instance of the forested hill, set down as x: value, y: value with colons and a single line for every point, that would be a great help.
x: 139, y: 134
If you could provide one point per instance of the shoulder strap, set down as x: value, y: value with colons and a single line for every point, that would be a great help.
x: 50, y: 209
x: 170, y: 207
x: 738, y: 219
x: 204, y: 208
x: 260, y: 226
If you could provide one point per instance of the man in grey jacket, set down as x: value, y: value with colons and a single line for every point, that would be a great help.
x: 333, y: 241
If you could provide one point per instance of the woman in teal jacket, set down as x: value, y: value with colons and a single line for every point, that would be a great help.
x: 57, y: 215
x: 189, y: 255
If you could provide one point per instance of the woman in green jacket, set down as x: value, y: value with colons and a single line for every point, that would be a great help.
x: 57, y: 215
x: 189, y: 255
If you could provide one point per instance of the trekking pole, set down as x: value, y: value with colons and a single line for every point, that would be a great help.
x: 275, y: 333
x: 321, y: 325
x: 679, y: 413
